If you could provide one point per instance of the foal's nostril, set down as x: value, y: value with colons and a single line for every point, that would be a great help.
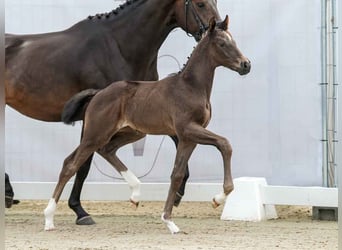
x: 245, y: 64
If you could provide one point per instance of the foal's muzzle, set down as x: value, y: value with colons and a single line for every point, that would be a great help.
x: 245, y: 67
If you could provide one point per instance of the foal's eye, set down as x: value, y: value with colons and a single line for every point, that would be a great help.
x: 221, y: 44
x: 200, y: 5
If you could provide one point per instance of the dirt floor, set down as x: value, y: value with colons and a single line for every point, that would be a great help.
x: 119, y: 226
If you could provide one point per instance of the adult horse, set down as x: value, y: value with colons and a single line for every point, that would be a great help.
x: 178, y: 105
x: 44, y: 70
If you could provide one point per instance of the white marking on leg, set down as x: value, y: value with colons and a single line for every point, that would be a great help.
x: 49, y: 213
x: 170, y: 224
x: 134, y: 184
x: 219, y: 199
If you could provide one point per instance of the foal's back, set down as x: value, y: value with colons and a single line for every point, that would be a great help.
x: 147, y: 106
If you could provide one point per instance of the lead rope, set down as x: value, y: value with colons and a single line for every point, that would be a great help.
x: 139, y: 177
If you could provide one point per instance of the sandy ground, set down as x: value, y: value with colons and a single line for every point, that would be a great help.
x: 119, y: 226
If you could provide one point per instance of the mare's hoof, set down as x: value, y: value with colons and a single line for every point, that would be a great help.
x: 215, y: 204
x: 85, y: 221
x: 8, y: 201
x: 15, y: 202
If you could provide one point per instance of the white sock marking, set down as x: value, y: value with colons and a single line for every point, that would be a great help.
x: 134, y: 184
x: 220, y: 198
x: 171, y: 225
x: 49, y: 213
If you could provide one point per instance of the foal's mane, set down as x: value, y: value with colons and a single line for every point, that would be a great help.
x: 115, y: 11
x: 217, y: 27
x: 188, y: 58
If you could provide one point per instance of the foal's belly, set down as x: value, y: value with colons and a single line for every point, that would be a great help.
x: 153, y: 123
x: 156, y: 128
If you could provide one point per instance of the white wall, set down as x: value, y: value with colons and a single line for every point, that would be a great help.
x: 271, y: 116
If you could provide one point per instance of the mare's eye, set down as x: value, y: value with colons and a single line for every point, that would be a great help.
x: 200, y: 5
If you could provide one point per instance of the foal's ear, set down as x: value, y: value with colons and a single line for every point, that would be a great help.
x: 224, y: 24
x: 212, y: 24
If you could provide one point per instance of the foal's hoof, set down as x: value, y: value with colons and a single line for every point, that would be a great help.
x: 49, y: 228
x: 134, y: 203
x: 215, y: 204
x: 171, y: 225
x: 85, y: 221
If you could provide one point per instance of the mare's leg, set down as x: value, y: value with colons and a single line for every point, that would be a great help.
x: 83, y: 218
x: 180, y: 192
x: 184, y: 151
x: 8, y: 192
x: 108, y: 152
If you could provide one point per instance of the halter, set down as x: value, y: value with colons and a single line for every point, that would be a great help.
x: 202, y: 27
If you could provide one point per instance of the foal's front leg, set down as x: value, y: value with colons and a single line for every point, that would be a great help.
x: 184, y: 151
x: 203, y: 136
x: 181, y: 189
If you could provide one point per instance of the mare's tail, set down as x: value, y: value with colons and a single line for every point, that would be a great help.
x: 75, y: 108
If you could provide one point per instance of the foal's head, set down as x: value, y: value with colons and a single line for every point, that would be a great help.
x: 224, y: 50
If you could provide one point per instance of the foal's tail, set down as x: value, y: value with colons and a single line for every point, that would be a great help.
x: 74, y: 109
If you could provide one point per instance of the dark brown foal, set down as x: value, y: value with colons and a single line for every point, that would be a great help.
x: 178, y: 105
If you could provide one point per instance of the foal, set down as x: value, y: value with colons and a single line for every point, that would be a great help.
x: 177, y: 105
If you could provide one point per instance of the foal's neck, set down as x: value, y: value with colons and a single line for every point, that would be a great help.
x: 199, y: 70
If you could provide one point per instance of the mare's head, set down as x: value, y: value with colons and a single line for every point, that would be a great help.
x: 192, y: 15
x: 224, y: 50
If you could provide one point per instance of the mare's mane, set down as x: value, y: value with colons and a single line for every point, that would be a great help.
x: 115, y: 11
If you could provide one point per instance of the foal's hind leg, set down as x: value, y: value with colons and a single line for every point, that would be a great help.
x: 108, y: 152
x: 181, y: 191
x: 71, y: 164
